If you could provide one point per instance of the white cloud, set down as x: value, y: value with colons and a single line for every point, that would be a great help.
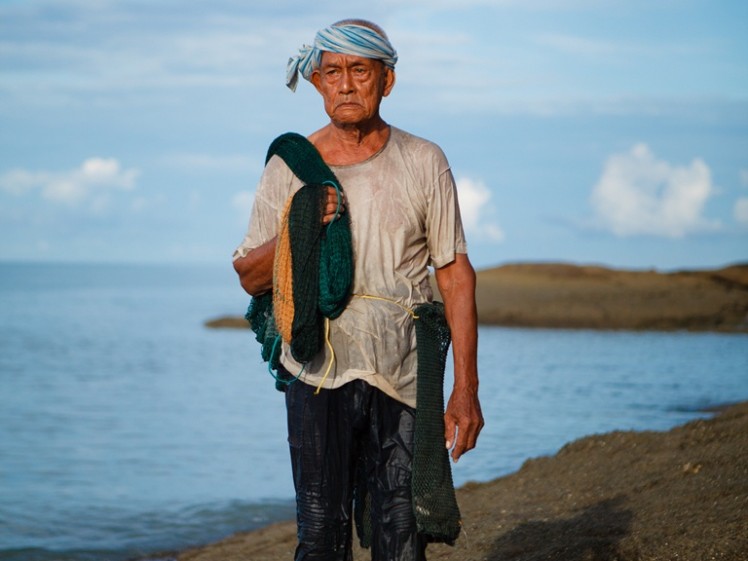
x: 639, y: 194
x: 740, y: 211
x: 90, y: 182
x: 474, y: 199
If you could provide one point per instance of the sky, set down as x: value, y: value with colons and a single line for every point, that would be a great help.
x: 584, y: 131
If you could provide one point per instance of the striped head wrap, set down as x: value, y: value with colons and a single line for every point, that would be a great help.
x: 346, y: 39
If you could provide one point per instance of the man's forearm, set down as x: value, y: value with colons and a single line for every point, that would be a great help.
x: 462, y: 317
x: 255, y: 269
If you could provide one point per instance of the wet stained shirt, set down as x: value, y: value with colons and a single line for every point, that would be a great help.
x: 404, y: 215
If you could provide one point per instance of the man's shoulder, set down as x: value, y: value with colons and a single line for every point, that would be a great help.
x: 409, y: 139
x: 417, y: 147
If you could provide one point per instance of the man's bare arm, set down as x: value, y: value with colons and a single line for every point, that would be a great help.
x: 255, y: 269
x: 463, y: 419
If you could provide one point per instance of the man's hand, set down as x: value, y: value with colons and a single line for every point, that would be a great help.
x: 463, y: 422
x: 330, y: 209
x: 256, y: 268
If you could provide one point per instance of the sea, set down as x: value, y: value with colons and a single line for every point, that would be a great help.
x: 129, y: 428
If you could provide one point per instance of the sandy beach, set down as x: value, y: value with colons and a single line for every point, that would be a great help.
x: 623, y: 496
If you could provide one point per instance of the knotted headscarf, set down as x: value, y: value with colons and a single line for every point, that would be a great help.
x: 346, y: 39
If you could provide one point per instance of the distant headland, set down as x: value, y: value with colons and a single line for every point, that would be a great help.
x: 560, y: 295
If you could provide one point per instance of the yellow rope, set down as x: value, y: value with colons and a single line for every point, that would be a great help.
x: 327, y: 332
x: 332, y: 356
x: 390, y: 300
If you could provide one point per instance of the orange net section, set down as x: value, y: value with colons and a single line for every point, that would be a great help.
x: 283, y: 279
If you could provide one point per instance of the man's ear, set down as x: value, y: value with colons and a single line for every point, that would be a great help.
x: 389, y: 81
x: 315, y: 79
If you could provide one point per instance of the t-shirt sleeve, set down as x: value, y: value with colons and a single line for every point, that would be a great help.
x: 445, y: 234
x: 276, y: 185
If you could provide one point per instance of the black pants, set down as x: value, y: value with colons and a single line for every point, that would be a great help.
x: 330, y: 434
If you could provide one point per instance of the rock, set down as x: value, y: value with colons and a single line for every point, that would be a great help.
x: 227, y: 322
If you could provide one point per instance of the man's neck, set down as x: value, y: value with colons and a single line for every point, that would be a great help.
x: 342, y: 145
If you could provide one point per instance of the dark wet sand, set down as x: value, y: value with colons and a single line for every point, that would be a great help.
x: 623, y: 496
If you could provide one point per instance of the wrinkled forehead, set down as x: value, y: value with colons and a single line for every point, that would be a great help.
x: 329, y: 58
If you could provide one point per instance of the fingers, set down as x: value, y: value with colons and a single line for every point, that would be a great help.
x: 464, y: 444
x: 450, y: 431
x: 330, y: 209
x: 467, y: 438
x: 463, y: 422
x: 460, y: 446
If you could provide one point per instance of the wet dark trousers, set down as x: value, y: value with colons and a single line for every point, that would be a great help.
x: 330, y: 435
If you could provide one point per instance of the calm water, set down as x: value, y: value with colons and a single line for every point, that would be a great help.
x: 126, y: 427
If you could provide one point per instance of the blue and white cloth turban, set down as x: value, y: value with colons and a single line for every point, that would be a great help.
x: 348, y: 39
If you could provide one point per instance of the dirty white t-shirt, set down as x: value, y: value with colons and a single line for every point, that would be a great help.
x: 404, y: 217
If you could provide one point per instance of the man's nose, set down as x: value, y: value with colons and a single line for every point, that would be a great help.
x: 346, y: 81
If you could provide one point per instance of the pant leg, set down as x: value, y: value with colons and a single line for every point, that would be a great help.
x: 328, y: 432
x: 321, y: 442
x: 390, y: 455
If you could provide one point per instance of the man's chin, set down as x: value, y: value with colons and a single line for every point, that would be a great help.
x: 350, y: 114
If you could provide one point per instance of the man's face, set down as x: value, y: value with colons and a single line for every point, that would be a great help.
x: 352, y: 87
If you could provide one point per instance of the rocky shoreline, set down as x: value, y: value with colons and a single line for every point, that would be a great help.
x: 559, y: 295
x: 621, y: 496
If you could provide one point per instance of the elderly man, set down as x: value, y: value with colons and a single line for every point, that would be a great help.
x: 351, y: 408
